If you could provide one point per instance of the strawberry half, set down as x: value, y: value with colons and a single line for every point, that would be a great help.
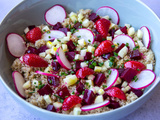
x: 34, y: 34
x: 34, y: 60
x: 116, y: 92
x: 102, y: 26
x: 83, y: 72
x: 104, y: 48
x: 70, y: 102
x: 135, y: 65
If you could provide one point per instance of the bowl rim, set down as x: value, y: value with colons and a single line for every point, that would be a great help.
x: 23, y: 101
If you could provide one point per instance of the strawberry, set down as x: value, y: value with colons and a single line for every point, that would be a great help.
x: 116, y: 92
x: 34, y: 34
x: 135, y: 65
x: 34, y: 60
x: 102, y: 26
x: 83, y: 72
x: 104, y: 48
x: 70, y: 102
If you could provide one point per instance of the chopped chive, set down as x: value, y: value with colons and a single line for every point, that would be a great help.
x: 127, y: 44
x: 78, y: 36
x: 75, y: 21
x: 115, y: 54
x: 83, y: 93
x: 41, y: 86
x: 89, y: 40
x: 113, y: 46
x: 104, y: 86
x: 63, y: 73
x: 110, y: 18
x: 138, y: 69
x: 100, y: 64
x: 57, y: 53
x: 49, y: 36
x: 109, y: 72
x: 31, y: 92
x: 74, y: 60
x: 127, y: 60
x: 135, y: 48
x: 50, y: 81
x: 122, y: 65
x: 73, y: 92
x: 48, y: 32
x: 110, y: 63
x: 75, y: 43
x: 95, y: 45
x: 67, y: 26
x: 59, y: 40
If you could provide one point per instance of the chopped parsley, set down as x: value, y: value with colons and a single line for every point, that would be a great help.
x: 112, y: 58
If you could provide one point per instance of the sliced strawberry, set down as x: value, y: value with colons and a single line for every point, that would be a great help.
x: 34, y: 60
x: 135, y: 65
x: 34, y: 34
x: 116, y: 92
x: 70, y: 102
x: 102, y: 26
x: 83, y: 72
x: 104, y: 48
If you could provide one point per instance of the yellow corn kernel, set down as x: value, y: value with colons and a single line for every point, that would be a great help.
x: 101, y: 91
x: 97, y: 69
x: 49, y: 44
x: 53, y: 50
x: 70, y: 80
x: 64, y: 47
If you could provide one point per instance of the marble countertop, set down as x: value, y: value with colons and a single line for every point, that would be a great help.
x: 11, y: 110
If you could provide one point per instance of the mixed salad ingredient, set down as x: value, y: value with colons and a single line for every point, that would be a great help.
x: 81, y: 63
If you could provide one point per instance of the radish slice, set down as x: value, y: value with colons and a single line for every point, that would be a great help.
x: 95, y: 106
x: 125, y: 39
x: 85, y: 34
x: 47, y: 74
x: 63, y: 61
x: 18, y: 83
x: 146, y: 36
x: 53, y: 34
x: 112, y: 78
x: 55, y: 14
x: 16, y: 44
x: 145, y: 78
x: 111, y: 12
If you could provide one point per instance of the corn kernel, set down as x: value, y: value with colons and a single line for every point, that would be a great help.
x: 57, y: 105
x: 47, y: 99
x: 99, y: 99
x: 97, y: 69
x: 70, y: 80
x: 101, y: 91
x: 76, y: 111
x: 139, y: 34
x: 49, y: 44
x: 53, y: 50
x: 131, y: 31
x: 82, y: 42
x: 90, y: 48
x: 27, y: 85
x: 64, y: 47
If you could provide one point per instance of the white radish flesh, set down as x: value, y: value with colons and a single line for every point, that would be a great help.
x: 112, y: 78
x: 16, y: 44
x: 47, y: 74
x: 86, y: 34
x: 63, y: 61
x: 111, y: 12
x: 145, y: 78
x: 55, y: 14
x: 53, y: 34
x: 18, y: 82
x: 95, y: 106
x: 125, y: 39
x: 146, y: 36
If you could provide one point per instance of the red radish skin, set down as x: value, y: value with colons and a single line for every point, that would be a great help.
x: 95, y: 106
x: 47, y: 74
x: 125, y: 39
x: 145, y: 78
x: 55, y: 14
x: 86, y: 34
x: 112, y: 78
x: 146, y: 36
x: 111, y: 12
x: 18, y: 83
x: 60, y: 55
x: 15, y: 41
x: 53, y: 34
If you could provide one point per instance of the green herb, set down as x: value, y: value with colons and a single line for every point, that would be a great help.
x: 138, y: 69
x: 75, y: 43
x: 73, y: 92
x: 115, y: 54
x: 78, y: 36
x: 74, y: 60
x: 100, y: 64
x: 57, y: 53
x: 94, y: 63
x: 135, y: 78
x: 103, y: 39
x: 109, y: 72
x: 122, y: 65
x: 70, y: 26
x: 110, y: 18
x: 81, y: 22
x: 40, y: 82
x: 61, y: 100
x: 75, y: 21
x: 117, y: 43
x: 73, y: 30
x: 107, y: 76
x: 72, y: 72
x: 57, y: 96
x: 50, y: 81
x: 41, y: 86
x: 77, y: 82
x: 95, y: 45
x: 89, y: 40
x: 48, y: 32
x: 91, y: 66
x: 127, y: 44
x: 83, y: 93
x: 91, y: 60
x: 118, y: 66
x: 86, y: 62
x: 135, y: 48
x: 104, y: 86
x: 80, y: 26
x: 93, y: 57
x: 67, y: 26
x: 59, y: 40
x: 113, y: 46
x: 127, y: 60
x: 87, y: 83
x: 49, y: 36
x: 44, y: 30
x: 66, y: 96
x: 31, y: 92
x: 112, y: 59
x: 63, y: 73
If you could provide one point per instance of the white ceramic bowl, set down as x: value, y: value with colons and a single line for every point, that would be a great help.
x: 31, y: 12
